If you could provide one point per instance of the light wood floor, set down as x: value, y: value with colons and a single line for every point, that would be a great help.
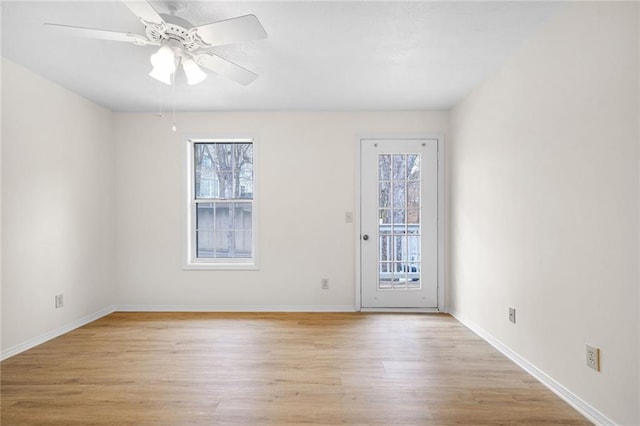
x: 287, y: 368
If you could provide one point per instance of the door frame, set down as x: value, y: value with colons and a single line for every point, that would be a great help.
x: 442, y: 211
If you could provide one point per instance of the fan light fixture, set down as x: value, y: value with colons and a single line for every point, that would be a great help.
x: 165, y: 62
x: 181, y: 42
x: 194, y: 73
x: 178, y: 41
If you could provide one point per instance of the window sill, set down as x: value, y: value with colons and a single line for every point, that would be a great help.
x: 220, y: 266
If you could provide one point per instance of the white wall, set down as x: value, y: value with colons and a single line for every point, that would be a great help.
x: 544, y: 204
x: 57, y: 211
x: 306, y: 182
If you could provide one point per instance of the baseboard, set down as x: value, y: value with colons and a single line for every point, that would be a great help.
x: 570, y: 398
x: 234, y: 308
x: 14, y: 350
x: 403, y: 310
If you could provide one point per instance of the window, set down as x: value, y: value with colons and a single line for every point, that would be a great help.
x: 221, y: 204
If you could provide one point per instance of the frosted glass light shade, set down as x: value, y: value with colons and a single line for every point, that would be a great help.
x: 194, y: 73
x: 165, y: 59
x: 164, y: 64
x: 161, y: 75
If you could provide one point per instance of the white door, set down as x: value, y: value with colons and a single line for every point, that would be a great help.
x: 399, y: 223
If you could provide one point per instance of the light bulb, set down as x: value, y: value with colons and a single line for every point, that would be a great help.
x: 174, y: 127
x: 194, y: 73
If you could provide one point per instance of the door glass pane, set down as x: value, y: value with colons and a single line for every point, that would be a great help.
x: 385, y: 248
x: 413, y: 167
x: 399, y: 230
x: 413, y: 217
x: 385, y: 217
x: 413, y: 194
x: 399, y: 161
x: 399, y: 195
x: 384, y: 194
x: 384, y: 167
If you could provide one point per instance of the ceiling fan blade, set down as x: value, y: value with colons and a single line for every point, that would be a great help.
x: 100, y: 34
x: 225, y: 68
x: 234, y: 30
x: 144, y: 11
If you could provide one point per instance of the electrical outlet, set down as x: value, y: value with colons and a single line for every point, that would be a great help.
x: 512, y: 315
x: 59, y: 301
x: 324, y: 283
x: 593, y: 358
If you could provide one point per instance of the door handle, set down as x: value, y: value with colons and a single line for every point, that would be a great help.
x: 365, y: 237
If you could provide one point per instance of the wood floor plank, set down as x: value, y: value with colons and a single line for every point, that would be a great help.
x: 272, y: 369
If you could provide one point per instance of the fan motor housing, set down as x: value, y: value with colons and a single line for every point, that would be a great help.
x: 177, y: 29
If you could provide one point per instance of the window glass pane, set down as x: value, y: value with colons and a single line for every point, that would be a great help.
x: 243, y: 170
x: 204, y: 216
x: 222, y: 185
x: 224, y: 219
x: 242, y: 244
x: 204, y: 171
x: 223, y: 244
x: 204, y: 244
x: 222, y: 157
x: 243, y: 216
x: 223, y: 170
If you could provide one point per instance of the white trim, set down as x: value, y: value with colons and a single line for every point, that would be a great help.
x: 21, y: 347
x: 234, y: 308
x: 189, y: 263
x: 357, y: 233
x: 565, y: 394
x: 442, y: 222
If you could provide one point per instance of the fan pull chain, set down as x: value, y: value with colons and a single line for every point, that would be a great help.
x: 173, y: 81
x: 159, y: 99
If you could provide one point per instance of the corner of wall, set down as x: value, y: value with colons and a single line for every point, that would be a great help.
x: 57, y: 207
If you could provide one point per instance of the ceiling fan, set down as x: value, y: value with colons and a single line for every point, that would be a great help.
x: 181, y: 43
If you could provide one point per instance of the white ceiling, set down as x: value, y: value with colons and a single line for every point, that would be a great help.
x: 358, y: 55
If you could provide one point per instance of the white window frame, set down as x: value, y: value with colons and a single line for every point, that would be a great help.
x: 191, y: 261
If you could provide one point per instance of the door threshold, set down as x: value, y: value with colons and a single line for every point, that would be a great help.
x: 403, y: 310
